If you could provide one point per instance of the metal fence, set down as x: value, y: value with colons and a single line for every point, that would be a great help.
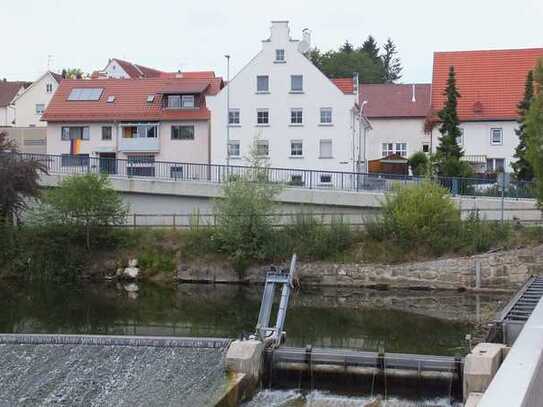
x: 145, y: 167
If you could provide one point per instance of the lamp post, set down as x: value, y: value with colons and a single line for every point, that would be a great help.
x: 360, y: 143
x: 227, y: 111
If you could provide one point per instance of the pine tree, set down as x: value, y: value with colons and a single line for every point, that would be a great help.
x: 391, y: 62
x: 347, y: 48
x: 369, y: 46
x: 534, y: 132
x: 522, y: 167
x: 448, y: 151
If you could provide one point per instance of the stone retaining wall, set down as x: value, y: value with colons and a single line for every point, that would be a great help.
x: 499, y: 270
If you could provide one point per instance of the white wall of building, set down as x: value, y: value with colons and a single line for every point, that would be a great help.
x: 7, y: 116
x: 39, y: 93
x: 396, y: 131
x: 193, y: 151
x: 114, y: 70
x: 318, y: 92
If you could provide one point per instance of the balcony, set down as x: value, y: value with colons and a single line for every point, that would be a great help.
x: 139, y: 145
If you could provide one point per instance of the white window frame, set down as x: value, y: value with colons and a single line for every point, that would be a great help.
x: 49, y: 87
x: 41, y: 110
x: 460, y: 139
x: 387, y: 149
x: 325, y: 122
x: 280, y: 55
x: 262, y: 143
x: 267, y: 122
x: 292, y: 79
x: 188, y: 101
x: 399, y: 149
x: 294, y: 119
x: 492, y: 142
x: 234, y: 117
x: 296, y: 148
x: 267, y: 90
x: 234, y: 143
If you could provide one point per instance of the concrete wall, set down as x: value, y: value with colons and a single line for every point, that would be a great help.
x: 25, y: 104
x: 404, y: 130
x: 318, y: 91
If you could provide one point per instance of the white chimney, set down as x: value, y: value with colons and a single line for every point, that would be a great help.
x: 305, y: 43
x: 413, y: 98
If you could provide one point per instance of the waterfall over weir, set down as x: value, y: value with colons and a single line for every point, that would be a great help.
x: 43, y: 370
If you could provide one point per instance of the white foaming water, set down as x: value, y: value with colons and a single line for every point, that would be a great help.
x: 295, y: 398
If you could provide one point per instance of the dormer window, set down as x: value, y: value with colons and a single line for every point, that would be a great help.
x: 180, y: 101
x: 279, y: 55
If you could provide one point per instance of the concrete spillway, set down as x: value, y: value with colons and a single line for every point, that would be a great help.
x: 83, y: 374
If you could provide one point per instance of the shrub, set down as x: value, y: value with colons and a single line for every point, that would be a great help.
x: 480, y: 235
x: 419, y: 163
x: 419, y: 214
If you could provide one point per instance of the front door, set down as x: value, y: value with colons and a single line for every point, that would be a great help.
x: 108, y: 163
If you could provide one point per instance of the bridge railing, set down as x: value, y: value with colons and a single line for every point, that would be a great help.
x: 147, y: 168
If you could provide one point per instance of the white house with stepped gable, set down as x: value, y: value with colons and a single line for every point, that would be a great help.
x: 288, y: 109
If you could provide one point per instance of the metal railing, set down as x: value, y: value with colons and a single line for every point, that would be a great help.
x: 146, y: 168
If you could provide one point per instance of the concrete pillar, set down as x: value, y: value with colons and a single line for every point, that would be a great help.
x: 481, y: 365
x: 473, y: 399
x: 245, y: 357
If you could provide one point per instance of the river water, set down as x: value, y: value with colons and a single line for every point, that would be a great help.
x: 392, y: 321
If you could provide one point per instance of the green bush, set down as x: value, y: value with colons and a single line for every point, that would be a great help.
x: 479, y: 235
x: 420, y: 164
x: 419, y: 214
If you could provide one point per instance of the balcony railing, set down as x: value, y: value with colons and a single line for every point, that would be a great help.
x: 290, y: 177
x: 139, y: 145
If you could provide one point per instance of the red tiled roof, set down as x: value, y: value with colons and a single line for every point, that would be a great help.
x: 138, y: 71
x: 392, y: 100
x: 8, y: 90
x: 130, y: 100
x: 344, y: 84
x: 189, y: 75
x: 491, y: 83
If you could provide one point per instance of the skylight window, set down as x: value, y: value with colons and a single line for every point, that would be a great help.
x: 85, y: 94
x: 110, y: 99
x: 150, y: 98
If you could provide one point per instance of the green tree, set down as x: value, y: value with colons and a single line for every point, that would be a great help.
x: 449, y: 153
x: 419, y: 163
x: 522, y: 167
x: 315, y: 56
x: 72, y: 73
x: 341, y: 64
x: 244, y: 226
x: 369, y: 46
x: 347, y: 47
x: 83, y: 201
x: 19, y: 180
x: 391, y: 63
x: 534, y: 132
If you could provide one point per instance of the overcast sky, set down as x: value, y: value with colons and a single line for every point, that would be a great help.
x: 195, y: 34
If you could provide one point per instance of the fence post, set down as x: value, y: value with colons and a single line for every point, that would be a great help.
x: 503, y: 197
x: 455, y: 186
x: 173, y: 223
x: 134, y: 221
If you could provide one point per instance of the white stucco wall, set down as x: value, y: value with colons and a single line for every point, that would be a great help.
x: 114, y: 70
x: 25, y: 104
x: 7, y: 115
x: 392, y: 130
x: 194, y: 151
x: 318, y: 91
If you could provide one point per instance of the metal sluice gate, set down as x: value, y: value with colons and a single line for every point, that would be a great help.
x: 511, y: 319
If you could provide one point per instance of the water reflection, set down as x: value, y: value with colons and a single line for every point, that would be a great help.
x: 396, y: 321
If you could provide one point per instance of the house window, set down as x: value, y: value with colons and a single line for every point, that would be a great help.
x: 296, y: 83
x: 279, y: 55
x: 495, y: 164
x: 106, y: 132
x: 426, y: 148
x: 496, y: 136
x: 233, y: 148
x: 326, y: 115
x: 77, y: 160
x: 75, y: 133
x: 325, y: 149
x: 388, y: 149
x: 262, y: 117
x: 49, y: 87
x: 460, y: 138
x: 401, y: 149
x: 180, y: 101
x: 262, y: 83
x: 233, y: 117
x: 297, y: 180
x: 262, y: 148
x: 141, y: 131
x: 140, y: 165
x: 296, y: 148
x: 296, y: 116
x: 182, y: 133
x: 326, y: 178
x: 40, y: 108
